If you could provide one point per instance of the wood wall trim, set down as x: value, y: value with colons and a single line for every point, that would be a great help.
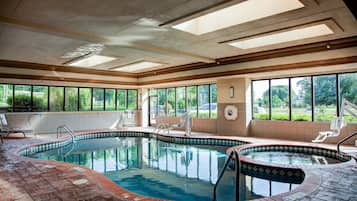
x: 269, y: 54
x: 65, y: 79
x: 38, y: 66
x: 294, y: 66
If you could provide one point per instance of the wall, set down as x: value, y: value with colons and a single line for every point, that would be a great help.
x: 198, y: 125
x: 47, y: 122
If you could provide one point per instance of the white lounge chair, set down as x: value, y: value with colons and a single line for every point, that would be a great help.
x: 6, y: 130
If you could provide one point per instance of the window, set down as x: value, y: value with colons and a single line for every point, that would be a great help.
x: 6, y: 98
x: 98, y: 99
x: 56, y: 99
x: 324, y: 97
x: 22, y: 100
x: 153, y: 106
x: 171, y: 101
x: 121, y: 99
x: 280, y: 99
x: 85, y: 99
x: 348, y: 91
x: 180, y: 101
x: 261, y: 103
x: 132, y: 99
x: 192, y: 100
x: 110, y: 99
x: 213, y: 93
x: 40, y: 99
x: 161, y: 95
x: 71, y: 99
x: 301, y: 99
x: 203, y: 101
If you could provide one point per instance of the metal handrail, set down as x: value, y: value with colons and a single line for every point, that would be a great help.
x: 69, y: 131
x: 237, y: 171
x: 344, y: 140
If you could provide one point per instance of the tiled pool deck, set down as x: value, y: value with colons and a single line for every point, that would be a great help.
x: 27, y: 179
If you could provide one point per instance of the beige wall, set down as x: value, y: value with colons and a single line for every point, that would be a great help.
x: 198, y: 125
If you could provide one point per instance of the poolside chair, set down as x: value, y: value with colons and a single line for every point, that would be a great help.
x: 6, y: 130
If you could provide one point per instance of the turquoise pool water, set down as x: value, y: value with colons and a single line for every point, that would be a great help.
x: 150, y: 167
x: 290, y: 158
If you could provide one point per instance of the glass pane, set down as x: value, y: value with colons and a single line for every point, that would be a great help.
x: 132, y: 99
x: 71, y: 99
x: 192, y: 100
x: 162, y: 101
x: 348, y: 91
x: 171, y: 104
x: 22, y: 100
x: 109, y: 99
x: 280, y: 99
x: 180, y: 101
x: 40, y: 98
x: 153, y: 106
x: 261, y: 99
x: 301, y: 99
x: 213, y: 101
x: 6, y: 97
x: 85, y: 97
x: 56, y: 99
x: 121, y: 99
x: 98, y: 99
x: 324, y: 97
x: 203, y: 101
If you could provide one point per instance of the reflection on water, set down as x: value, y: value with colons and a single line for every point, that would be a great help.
x: 158, y: 169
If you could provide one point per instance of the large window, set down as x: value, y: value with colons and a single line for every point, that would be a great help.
x: 37, y: 98
x: 98, y: 99
x: 6, y: 98
x: 280, y: 99
x: 348, y: 91
x: 132, y: 99
x: 261, y: 102
x: 85, y: 99
x: 324, y: 97
x: 71, y: 99
x: 192, y: 100
x: 180, y: 101
x: 203, y: 101
x: 121, y: 99
x: 309, y: 98
x: 56, y: 99
x: 40, y: 98
x: 301, y: 98
x: 200, y: 101
x: 109, y: 99
x: 22, y: 100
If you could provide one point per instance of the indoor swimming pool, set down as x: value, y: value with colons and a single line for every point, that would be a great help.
x: 153, y: 168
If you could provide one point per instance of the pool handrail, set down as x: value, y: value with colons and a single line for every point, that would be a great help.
x: 237, y: 174
x: 344, y: 140
x: 69, y: 131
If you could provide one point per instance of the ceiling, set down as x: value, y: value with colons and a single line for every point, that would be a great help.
x: 43, y: 32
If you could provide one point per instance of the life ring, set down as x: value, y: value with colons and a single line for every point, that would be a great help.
x: 230, y: 112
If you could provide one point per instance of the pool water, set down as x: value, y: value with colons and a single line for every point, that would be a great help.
x: 163, y: 170
x: 290, y: 158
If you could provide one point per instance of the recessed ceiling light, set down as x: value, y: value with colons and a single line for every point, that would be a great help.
x: 91, y: 61
x: 240, y: 13
x: 281, y: 37
x: 142, y: 65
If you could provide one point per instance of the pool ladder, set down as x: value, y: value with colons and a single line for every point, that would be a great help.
x: 65, y: 128
x: 233, y: 155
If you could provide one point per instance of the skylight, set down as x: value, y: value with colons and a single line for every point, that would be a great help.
x: 281, y: 37
x: 142, y: 65
x: 91, y: 61
x: 240, y: 13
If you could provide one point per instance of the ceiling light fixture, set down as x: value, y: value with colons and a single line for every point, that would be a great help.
x: 137, y: 66
x: 240, y: 13
x: 283, y: 36
x: 92, y: 60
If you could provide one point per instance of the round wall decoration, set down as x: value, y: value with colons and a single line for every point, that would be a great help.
x: 230, y: 112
